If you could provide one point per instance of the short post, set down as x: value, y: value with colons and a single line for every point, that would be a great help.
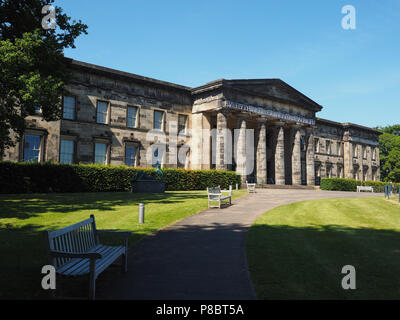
x: 237, y: 186
x: 230, y: 187
x: 141, y: 213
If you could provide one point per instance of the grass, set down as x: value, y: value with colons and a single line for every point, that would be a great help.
x: 297, y: 251
x: 23, y: 218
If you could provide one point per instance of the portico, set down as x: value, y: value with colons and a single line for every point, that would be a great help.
x: 265, y: 140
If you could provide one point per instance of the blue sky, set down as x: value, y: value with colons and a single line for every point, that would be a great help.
x: 353, y: 74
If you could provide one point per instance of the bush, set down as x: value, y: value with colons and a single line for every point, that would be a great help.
x: 339, y: 184
x: 54, y: 177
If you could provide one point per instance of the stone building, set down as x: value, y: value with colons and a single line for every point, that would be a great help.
x: 263, y: 129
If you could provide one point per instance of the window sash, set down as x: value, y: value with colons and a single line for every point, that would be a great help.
x: 158, y: 120
x: 69, y: 108
x: 32, y: 148
x: 100, y: 153
x: 158, y: 154
x: 102, y: 110
x: 67, y: 151
x: 130, y: 156
x: 131, y: 117
x: 182, y: 122
x: 316, y: 145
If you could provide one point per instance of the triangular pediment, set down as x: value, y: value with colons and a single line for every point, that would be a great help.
x: 275, y: 89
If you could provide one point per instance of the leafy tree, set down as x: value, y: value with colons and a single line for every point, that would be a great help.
x: 32, y: 66
x: 389, y: 148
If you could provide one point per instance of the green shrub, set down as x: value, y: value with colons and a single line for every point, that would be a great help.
x: 54, y: 177
x: 339, y: 184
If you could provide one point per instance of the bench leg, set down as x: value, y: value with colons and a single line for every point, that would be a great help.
x: 92, y: 280
x: 92, y: 287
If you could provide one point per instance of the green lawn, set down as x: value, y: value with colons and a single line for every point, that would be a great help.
x: 24, y: 217
x: 298, y: 251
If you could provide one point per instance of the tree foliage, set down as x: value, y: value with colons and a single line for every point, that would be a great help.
x: 389, y: 147
x: 32, y: 66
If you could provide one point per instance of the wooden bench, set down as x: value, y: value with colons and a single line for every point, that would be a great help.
x: 364, y: 188
x: 216, y: 195
x: 251, y: 187
x: 75, y: 251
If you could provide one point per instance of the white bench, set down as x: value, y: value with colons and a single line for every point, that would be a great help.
x: 216, y: 195
x: 251, y: 187
x: 364, y: 188
x: 76, y: 251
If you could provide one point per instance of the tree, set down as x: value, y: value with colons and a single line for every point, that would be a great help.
x: 32, y: 65
x: 389, y: 148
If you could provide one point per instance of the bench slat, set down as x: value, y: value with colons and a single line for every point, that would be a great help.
x: 80, y: 268
x: 59, y: 232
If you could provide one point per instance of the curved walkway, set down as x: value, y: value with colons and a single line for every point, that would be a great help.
x: 202, y: 256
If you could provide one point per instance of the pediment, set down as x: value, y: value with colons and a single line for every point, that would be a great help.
x: 275, y: 89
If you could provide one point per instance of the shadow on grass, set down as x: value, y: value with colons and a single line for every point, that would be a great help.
x: 306, y: 262
x: 27, y: 206
x: 285, y: 263
x: 207, y: 262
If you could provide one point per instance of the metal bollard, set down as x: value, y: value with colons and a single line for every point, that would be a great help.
x: 237, y: 186
x: 141, y: 213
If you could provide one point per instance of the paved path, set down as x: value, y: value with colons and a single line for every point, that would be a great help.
x: 202, y: 256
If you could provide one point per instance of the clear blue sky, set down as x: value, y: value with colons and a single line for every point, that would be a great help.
x: 353, y: 74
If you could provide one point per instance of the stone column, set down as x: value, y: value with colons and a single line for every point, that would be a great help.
x: 196, y: 143
x: 222, y: 125
x: 296, y: 156
x: 378, y: 170
x: 280, y: 155
x: 369, y: 162
x: 310, y: 158
x: 241, y: 160
x: 261, y: 164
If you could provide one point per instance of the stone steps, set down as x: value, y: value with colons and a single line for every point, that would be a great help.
x: 300, y: 187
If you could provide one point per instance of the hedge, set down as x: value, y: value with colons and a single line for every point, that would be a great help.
x: 339, y: 184
x: 64, y: 178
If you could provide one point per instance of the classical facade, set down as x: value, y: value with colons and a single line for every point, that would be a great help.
x: 263, y: 129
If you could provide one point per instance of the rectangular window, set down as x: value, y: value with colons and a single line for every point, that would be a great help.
x: 182, y: 123
x: 158, y: 120
x: 328, y: 171
x: 100, y: 153
x: 131, y: 114
x: 364, y: 152
x: 130, y: 156
x: 66, y: 151
x: 316, y: 145
x: 355, y: 151
x: 374, y: 154
x: 158, y: 153
x: 69, y: 108
x: 339, y: 148
x: 328, y: 147
x: 102, y: 112
x: 32, y: 148
x: 302, y: 143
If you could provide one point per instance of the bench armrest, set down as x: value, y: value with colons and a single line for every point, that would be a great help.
x: 125, y: 234
x: 83, y: 255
